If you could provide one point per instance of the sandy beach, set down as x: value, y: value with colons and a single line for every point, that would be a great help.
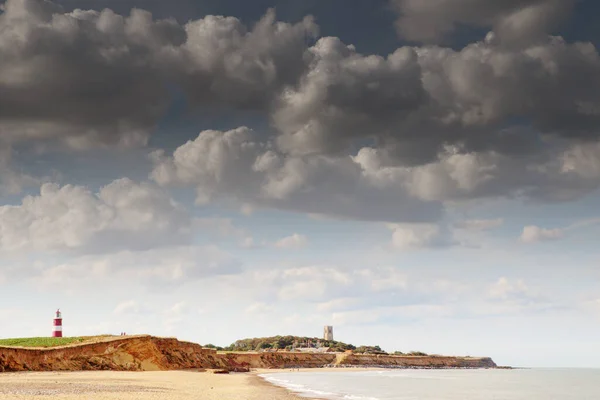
x: 175, y: 385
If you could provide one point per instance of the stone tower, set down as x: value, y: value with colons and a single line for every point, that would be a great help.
x: 328, y: 333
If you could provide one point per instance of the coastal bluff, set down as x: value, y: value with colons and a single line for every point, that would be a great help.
x: 149, y: 353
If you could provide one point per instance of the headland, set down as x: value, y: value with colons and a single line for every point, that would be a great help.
x: 150, y: 353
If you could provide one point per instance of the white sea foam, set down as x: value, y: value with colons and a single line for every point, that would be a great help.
x: 303, y: 390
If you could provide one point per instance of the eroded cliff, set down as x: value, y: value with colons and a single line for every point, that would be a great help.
x: 148, y: 353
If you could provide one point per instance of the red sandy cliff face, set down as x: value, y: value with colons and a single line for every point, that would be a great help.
x: 365, y: 360
x: 147, y: 353
x: 319, y: 360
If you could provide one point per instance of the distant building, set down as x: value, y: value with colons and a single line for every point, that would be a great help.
x: 312, y: 350
x: 328, y: 333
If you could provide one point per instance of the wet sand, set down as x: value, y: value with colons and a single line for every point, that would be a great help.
x: 172, y: 385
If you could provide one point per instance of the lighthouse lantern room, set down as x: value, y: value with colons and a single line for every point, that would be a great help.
x: 57, y: 332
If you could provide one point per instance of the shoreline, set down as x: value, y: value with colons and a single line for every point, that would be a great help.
x: 167, y: 385
x: 264, y: 371
x: 284, y: 393
x: 259, y: 374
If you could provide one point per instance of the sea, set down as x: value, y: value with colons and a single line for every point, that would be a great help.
x: 445, y: 384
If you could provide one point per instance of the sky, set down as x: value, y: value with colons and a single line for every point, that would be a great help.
x: 423, y: 176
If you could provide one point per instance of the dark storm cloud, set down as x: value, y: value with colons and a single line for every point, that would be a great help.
x: 90, y: 77
x: 420, y: 99
x: 515, y: 22
x: 366, y: 23
x: 85, y: 77
x: 239, y: 167
x: 223, y: 61
x: 434, y: 123
x: 346, y: 95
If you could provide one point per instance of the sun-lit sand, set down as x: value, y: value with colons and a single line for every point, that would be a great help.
x: 173, y: 385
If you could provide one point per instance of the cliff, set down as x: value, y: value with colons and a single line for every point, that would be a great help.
x: 389, y: 361
x: 137, y: 353
x: 147, y: 353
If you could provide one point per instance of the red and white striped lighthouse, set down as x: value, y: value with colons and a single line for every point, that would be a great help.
x: 57, y: 332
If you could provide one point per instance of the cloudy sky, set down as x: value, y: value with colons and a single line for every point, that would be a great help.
x: 422, y: 175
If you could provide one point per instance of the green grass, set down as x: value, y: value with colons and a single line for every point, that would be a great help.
x: 41, y: 341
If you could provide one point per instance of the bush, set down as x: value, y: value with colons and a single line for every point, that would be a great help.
x: 369, y: 350
x: 288, y: 343
x: 212, y: 346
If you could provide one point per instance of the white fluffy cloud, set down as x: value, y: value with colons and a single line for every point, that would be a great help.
x: 501, y: 298
x: 294, y: 241
x: 457, y: 176
x: 533, y: 234
x: 164, y: 268
x: 259, y: 309
x: 383, y: 295
x: 383, y: 314
x: 504, y: 288
x: 411, y: 236
x: 516, y: 295
x: 123, y: 214
x: 127, y: 307
x: 318, y: 284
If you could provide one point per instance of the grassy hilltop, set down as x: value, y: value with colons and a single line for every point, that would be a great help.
x: 292, y: 342
x: 245, y: 345
x: 40, y: 341
x: 48, y: 341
